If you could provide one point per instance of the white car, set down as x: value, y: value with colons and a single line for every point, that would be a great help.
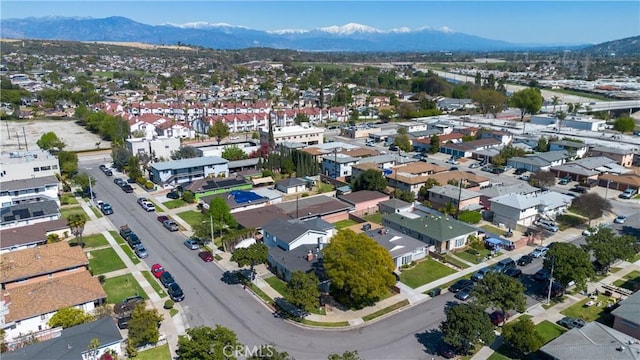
x: 620, y: 219
x: 148, y: 206
x: 539, y: 252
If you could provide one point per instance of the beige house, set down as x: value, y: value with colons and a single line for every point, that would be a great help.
x: 442, y: 195
x: 621, y: 156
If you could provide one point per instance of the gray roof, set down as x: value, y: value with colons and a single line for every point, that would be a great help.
x: 290, y: 230
x: 629, y: 309
x: 529, y: 160
x: 454, y: 192
x: 296, y: 259
x: 188, y: 163
x: 71, y: 343
x: 381, y: 159
x: 397, y: 243
x: 243, y: 163
x: 424, y: 133
x: 394, y: 203
x: 318, y: 224
x: 29, y: 183
x: 340, y: 158
x: 594, y: 162
x: 268, y: 193
x: 293, y: 145
x: 570, y: 144
x: 574, y: 169
x: 593, y: 342
x: 611, y: 150
x: 551, y: 156
x: 521, y: 202
x: 29, y: 211
x: 291, y: 182
x: 438, y: 228
x: 499, y: 190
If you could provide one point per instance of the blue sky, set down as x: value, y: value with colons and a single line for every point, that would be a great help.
x: 543, y: 22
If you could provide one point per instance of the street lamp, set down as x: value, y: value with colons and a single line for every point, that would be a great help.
x: 90, y: 188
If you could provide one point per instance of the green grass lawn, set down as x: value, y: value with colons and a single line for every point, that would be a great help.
x: 104, y: 261
x: 549, y: 330
x: 68, y: 199
x: 343, y: 224
x: 455, y: 261
x: 67, y: 211
x: 493, y: 229
x: 374, y: 218
x: 446, y: 286
x: 154, y: 284
x: 192, y: 217
x: 121, y: 287
x: 95, y: 240
x: 325, y: 324
x: 566, y: 221
x: 631, y: 281
x: 473, y: 256
x: 425, y: 272
x: 386, y: 310
x: 278, y: 285
x: 157, y: 353
x: 174, y: 204
x: 173, y: 312
x: 117, y: 236
x: 158, y: 209
x: 96, y: 212
x: 130, y: 254
x: 589, y: 314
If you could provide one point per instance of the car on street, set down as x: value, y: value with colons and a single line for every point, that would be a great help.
x: 525, y: 260
x: 148, y: 206
x: 460, y: 284
x: 166, y: 279
x: 539, y: 252
x: 628, y: 194
x: 514, y: 273
x: 119, y: 182
x: 464, y: 294
x: 127, y: 188
x: 175, y: 292
x: 192, y: 244
x: 620, y: 219
x: 173, y: 195
x: 171, y: 225
x: 106, y: 209
x: 571, y: 323
x: 206, y: 256
x: 541, y: 275
x: 106, y: 171
x: 498, y: 317
x: 162, y: 218
x: 479, y: 275
x: 452, y: 161
x: 133, y: 240
x: 474, y: 166
x: 141, y: 251
x: 157, y: 270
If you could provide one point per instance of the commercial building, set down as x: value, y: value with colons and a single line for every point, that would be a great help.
x: 156, y: 148
x: 301, y: 134
x: 19, y: 165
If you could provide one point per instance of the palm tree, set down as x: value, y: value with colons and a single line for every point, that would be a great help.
x: 561, y: 115
x: 555, y: 100
x: 76, y: 223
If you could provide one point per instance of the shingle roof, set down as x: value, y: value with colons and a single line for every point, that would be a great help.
x: 362, y: 196
x: 629, y: 309
x: 519, y: 201
x: 291, y: 182
x: 71, y: 343
x: 518, y: 188
x: 550, y: 156
x: 566, y: 143
x: 611, y: 150
x: 30, y: 234
x: 594, y: 162
x: 47, y: 296
x: 27, y: 211
x: 574, y: 169
x: 395, y: 242
x: 40, y: 260
x: 188, y: 163
x: 296, y: 259
x: 243, y: 163
x: 454, y: 192
x: 28, y: 183
x: 593, y: 342
x: 394, y: 203
x: 435, y: 227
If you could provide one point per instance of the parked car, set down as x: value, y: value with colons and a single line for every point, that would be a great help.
x: 524, y: 177
x: 539, y: 252
x: 479, y: 275
x: 464, y: 294
x: 141, y: 251
x: 514, y: 273
x: 474, y: 166
x: 133, y: 240
x: 124, y: 308
x: 173, y: 195
x: 166, y: 279
x: 123, y: 323
x: 127, y: 188
x: 628, y: 194
x: 503, y: 265
x: 192, y: 244
x: 565, y: 180
x: 548, y: 226
x: 459, y: 285
x: 541, y: 275
x: 525, y: 260
x: 119, y: 182
x: 162, y: 218
x: 171, y: 225
x: 620, y: 219
x: 175, y: 292
x: 520, y: 171
x: 206, y: 256
x: 498, y: 317
x: 106, y: 209
x: 148, y: 206
x: 157, y: 270
x: 452, y: 161
x: 571, y: 323
x: 107, y: 171
x: 578, y: 189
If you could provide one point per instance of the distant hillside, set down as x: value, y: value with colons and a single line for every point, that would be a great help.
x: 628, y: 46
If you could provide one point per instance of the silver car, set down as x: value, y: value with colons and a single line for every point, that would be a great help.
x: 141, y: 251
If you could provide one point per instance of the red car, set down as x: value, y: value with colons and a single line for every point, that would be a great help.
x: 206, y: 256
x: 157, y: 270
x: 162, y: 218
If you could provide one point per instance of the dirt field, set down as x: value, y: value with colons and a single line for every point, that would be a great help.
x: 75, y: 136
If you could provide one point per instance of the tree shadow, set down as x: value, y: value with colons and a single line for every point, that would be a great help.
x: 628, y: 230
x: 431, y: 340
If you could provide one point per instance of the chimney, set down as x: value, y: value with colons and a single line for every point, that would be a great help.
x: 310, y: 255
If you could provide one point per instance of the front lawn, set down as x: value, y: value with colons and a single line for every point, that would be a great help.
x: 566, y: 221
x: 424, y: 272
x: 473, y: 256
x: 549, y: 330
x: 96, y: 212
x: 121, y: 287
x: 344, y: 223
x: 117, y: 236
x: 157, y: 353
x: 494, y: 230
x: 631, y: 281
x: 95, y: 240
x: 154, y: 284
x: 130, y: 254
x: 451, y: 259
x: 192, y: 217
x: 374, y: 218
x: 68, y: 199
x: 590, y: 313
x: 68, y: 211
x: 278, y: 285
x: 104, y: 260
x: 174, y: 204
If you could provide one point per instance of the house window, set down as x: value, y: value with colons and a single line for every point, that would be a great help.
x: 459, y: 242
x: 43, y: 317
x: 35, y: 169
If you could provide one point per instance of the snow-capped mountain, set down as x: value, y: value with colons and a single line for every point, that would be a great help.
x: 349, y: 37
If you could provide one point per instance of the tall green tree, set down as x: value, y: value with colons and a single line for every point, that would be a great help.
x: 133, y: 168
x: 76, y: 223
x: 360, y: 269
x: 221, y: 213
x: 407, y: 196
x: 555, y: 101
x: 303, y: 290
x: 269, y: 352
x: 434, y: 144
x: 50, y: 141
x: 423, y: 193
x: 402, y: 141
x: 233, y: 153
x: 205, y: 343
x: 543, y: 179
x: 466, y: 325
x: 218, y: 130
x: 561, y: 116
x: 569, y: 263
x: 500, y: 291
x: 68, y: 163
x: 624, y: 124
x: 300, y: 118
x: 543, y: 144
x: 143, y: 326
x: 370, y: 179
x: 522, y: 336
x: 591, y: 205
x: 528, y: 100
x: 489, y: 101
x: 184, y: 152
x: 68, y: 317
x: 251, y: 256
x: 449, y: 209
x: 607, y: 247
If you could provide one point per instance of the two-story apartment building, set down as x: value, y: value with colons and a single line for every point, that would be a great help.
x: 20, y: 165
x: 187, y: 170
x: 518, y: 211
x: 466, y: 149
x: 338, y: 166
x: 29, y: 190
x: 300, y: 134
x: 623, y: 157
x: 574, y: 149
x: 156, y: 147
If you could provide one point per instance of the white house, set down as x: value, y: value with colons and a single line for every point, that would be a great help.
x: 402, y: 248
x: 338, y: 165
x: 29, y: 190
x: 522, y: 210
x: 291, y: 185
x: 291, y: 234
x: 157, y: 147
x: 576, y: 149
x: 19, y: 165
x: 188, y: 170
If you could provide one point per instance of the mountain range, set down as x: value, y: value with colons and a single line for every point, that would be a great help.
x: 349, y: 37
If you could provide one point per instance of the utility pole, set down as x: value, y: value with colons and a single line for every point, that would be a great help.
x: 553, y: 262
x: 26, y: 145
x: 459, y: 196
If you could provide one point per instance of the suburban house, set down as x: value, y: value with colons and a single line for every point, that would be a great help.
x: 211, y: 186
x: 292, y: 185
x: 466, y: 149
x: 305, y: 258
x: 327, y: 208
x: 156, y: 147
x: 520, y: 211
x: 394, y: 205
x: 623, y: 157
x: 424, y: 143
x: 27, y: 165
x: 587, y: 170
x: 442, y: 232
x: 626, y: 318
x: 29, y: 213
x: 593, y: 341
x: 620, y: 182
x: 338, y: 166
x: 28, y: 236
x: 237, y: 200
x: 296, y: 133
x: 463, y: 199
x: 411, y: 177
x: 365, y: 201
x: 187, y: 170
x: 29, y: 190
x: 574, y: 149
x: 539, y: 161
x: 72, y: 343
x: 504, y: 189
x: 504, y: 137
x: 573, y: 122
x: 470, y: 181
x: 402, y: 248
